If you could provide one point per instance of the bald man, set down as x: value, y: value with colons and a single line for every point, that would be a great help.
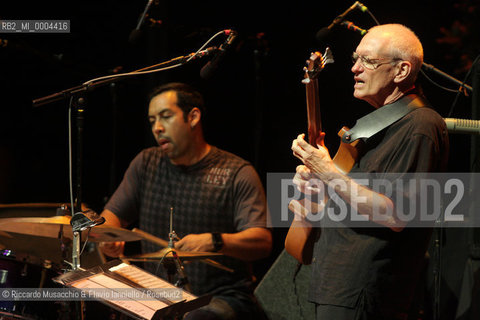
x: 372, y: 272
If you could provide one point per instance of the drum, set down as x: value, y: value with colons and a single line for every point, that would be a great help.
x: 26, y: 272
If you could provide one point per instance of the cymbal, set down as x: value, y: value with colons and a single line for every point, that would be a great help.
x: 51, y: 227
x: 166, y: 253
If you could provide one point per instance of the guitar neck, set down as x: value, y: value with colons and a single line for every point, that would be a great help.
x: 313, y: 111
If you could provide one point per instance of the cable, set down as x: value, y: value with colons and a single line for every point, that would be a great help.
x: 373, y: 17
x: 458, y: 91
x: 161, y: 261
x: 438, y: 85
x: 86, y: 241
x: 89, y: 82
x: 70, y: 156
x: 141, y: 71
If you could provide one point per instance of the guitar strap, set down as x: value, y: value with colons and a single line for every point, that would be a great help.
x: 381, y: 118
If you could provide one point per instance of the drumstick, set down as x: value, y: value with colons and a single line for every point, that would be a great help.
x: 151, y: 237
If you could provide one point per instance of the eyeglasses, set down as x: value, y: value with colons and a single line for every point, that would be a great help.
x: 371, y: 64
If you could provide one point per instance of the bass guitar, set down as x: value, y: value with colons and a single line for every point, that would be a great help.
x: 300, y: 238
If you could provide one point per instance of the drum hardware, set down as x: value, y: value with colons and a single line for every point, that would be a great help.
x: 47, y: 265
x: 177, y: 266
x: 203, y: 257
x: 4, y: 273
x: 49, y: 238
x: 63, y: 210
x: 172, y: 235
x: 80, y: 222
x: 24, y: 272
x: 171, y: 258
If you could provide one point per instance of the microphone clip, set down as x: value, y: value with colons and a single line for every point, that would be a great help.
x: 80, y: 222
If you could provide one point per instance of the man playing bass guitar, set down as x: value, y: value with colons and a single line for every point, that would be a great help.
x: 371, y: 272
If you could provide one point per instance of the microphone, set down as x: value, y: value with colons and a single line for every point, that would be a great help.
x: 466, y: 126
x: 209, y: 69
x: 325, y: 31
x: 136, y: 33
x: 351, y: 26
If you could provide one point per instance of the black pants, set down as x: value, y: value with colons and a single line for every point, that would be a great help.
x: 236, y: 307
x: 328, y: 312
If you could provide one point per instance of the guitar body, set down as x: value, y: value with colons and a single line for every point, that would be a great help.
x: 300, y: 238
x: 299, y: 241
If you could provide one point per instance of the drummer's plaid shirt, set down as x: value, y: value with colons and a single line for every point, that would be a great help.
x: 221, y: 193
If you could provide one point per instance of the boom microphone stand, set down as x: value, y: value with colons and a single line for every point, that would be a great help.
x: 77, y: 106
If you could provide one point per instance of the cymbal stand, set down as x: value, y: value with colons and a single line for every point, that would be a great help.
x: 62, y: 211
x: 182, y: 281
x: 79, y: 220
x: 172, y: 235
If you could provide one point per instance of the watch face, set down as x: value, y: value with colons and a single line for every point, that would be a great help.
x: 217, y: 241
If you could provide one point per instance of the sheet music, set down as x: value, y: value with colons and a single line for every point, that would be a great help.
x: 132, y: 290
x: 147, y: 280
x: 143, y: 308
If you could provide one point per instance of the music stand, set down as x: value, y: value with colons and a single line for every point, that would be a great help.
x: 115, y: 277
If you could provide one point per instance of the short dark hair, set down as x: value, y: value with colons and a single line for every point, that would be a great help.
x: 187, y: 96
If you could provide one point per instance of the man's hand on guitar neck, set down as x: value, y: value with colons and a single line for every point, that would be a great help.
x: 316, y: 160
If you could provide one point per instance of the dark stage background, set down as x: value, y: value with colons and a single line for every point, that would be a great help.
x: 255, y: 100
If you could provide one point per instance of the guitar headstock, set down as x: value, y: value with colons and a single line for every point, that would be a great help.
x: 316, y: 63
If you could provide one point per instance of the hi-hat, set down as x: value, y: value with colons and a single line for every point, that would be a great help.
x: 51, y: 227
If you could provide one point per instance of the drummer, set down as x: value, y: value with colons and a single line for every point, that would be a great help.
x: 217, y: 199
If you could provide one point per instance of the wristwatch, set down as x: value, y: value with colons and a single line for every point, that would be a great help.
x: 217, y: 241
